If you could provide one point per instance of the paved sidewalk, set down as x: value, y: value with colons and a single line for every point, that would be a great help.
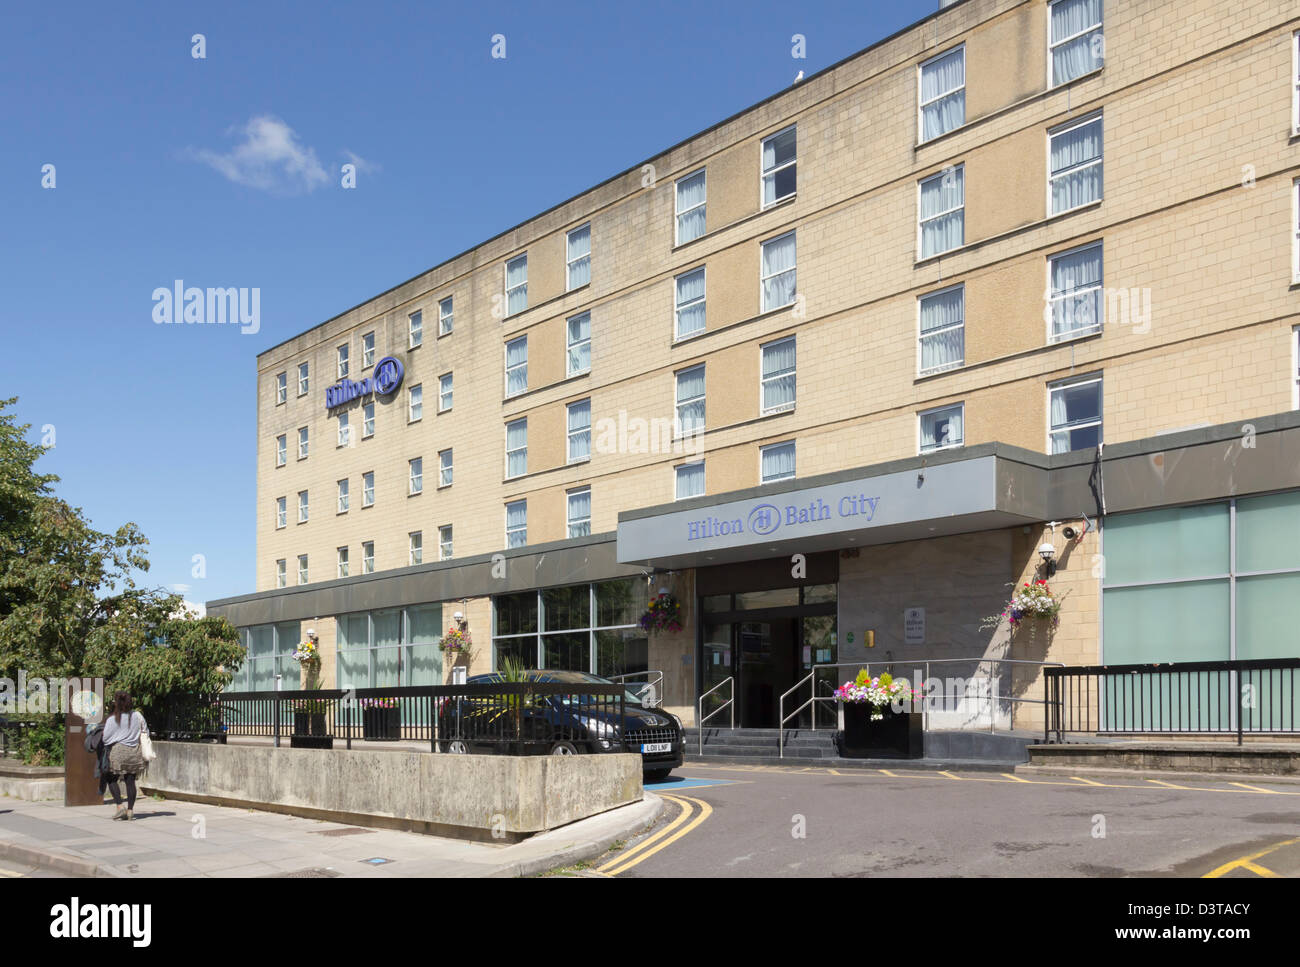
x: 169, y: 838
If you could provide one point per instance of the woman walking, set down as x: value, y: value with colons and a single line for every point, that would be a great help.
x: 125, y: 761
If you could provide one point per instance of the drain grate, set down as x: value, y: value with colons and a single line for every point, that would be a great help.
x: 311, y: 873
x: 342, y: 831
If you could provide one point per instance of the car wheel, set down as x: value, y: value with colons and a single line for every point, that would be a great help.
x: 655, y: 775
x: 457, y: 747
x: 564, y: 748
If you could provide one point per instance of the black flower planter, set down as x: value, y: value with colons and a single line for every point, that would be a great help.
x: 309, y: 732
x: 381, y: 724
x: 897, y: 736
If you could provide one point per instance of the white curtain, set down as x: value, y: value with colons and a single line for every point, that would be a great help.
x: 778, y: 151
x: 580, y: 513
x: 517, y: 284
x: 690, y: 303
x: 417, y: 475
x: 580, y: 343
x: 517, y: 448
x: 579, y: 257
x: 1071, y: 185
x: 690, y: 480
x: 941, y: 429
x: 939, y: 233
x: 517, y: 523
x: 690, y: 207
x: 778, y: 462
x: 946, y: 75
x: 516, y: 366
x: 943, y: 330
x: 690, y: 399
x: 1060, y: 439
x: 580, y: 430
x: 388, y: 639
x: 1074, y: 310
x: 778, y: 272
x: 1078, y: 57
x: 778, y: 374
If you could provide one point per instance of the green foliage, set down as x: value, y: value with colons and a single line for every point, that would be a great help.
x: 41, y: 742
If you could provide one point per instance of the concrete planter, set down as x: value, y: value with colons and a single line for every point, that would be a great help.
x: 896, y: 736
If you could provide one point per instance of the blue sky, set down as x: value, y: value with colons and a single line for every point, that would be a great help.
x: 225, y: 171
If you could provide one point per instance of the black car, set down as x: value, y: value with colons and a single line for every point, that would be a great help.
x: 567, y: 724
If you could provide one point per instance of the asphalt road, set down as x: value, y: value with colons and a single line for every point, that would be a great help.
x: 749, y: 821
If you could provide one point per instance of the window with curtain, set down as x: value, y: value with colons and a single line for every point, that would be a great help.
x: 943, y: 211
x: 1295, y: 209
x: 415, y: 403
x: 689, y: 480
x: 367, y: 557
x: 302, y: 568
x: 344, y: 498
x: 391, y: 647
x: 690, y: 207
x: 446, y: 318
x: 776, y: 462
x: 269, y: 649
x: 368, y: 420
x: 281, y: 449
x: 343, y: 352
x: 778, y: 375
x: 416, y: 475
x: 517, y: 448
x: 943, y: 93
x: 1077, y: 308
x: 689, y: 313
x: 302, y: 506
x: 444, y: 542
x: 302, y: 443
x: 343, y: 562
x: 517, y: 523
x: 778, y: 272
x: 579, y: 431
x: 1076, y: 159
x: 779, y: 166
x: 303, y: 379
x: 444, y: 392
x: 444, y: 468
x: 579, y: 340
x: 368, y: 489
x: 367, y: 350
x: 943, y: 330
x: 942, y: 428
x: 1076, y: 45
x: 690, y: 400
x: 1075, y: 415
x: 516, y: 366
x: 344, y: 430
x: 579, y: 512
x: 281, y: 387
x: 517, y: 284
x: 281, y: 512
x: 578, y: 256
x: 415, y: 546
x: 281, y: 573
x: 416, y: 320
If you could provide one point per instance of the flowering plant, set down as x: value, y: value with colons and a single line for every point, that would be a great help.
x: 663, y: 613
x: 311, y: 706
x: 1033, y: 600
x: 883, y: 693
x: 307, y: 652
x: 308, y: 656
x: 377, y: 702
x: 454, y: 640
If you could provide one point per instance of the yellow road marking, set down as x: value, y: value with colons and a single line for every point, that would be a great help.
x: 888, y: 773
x: 1085, y: 781
x: 10, y: 873
x: 1248, y: 862
x: 1167, y: 785
x: 705, y: 812
x: 949, y: 775
x: 1014, y: 778
x: 834, y: 772
x: 677, y: 821
x: 1271, y: 792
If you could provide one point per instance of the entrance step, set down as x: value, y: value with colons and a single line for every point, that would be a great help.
x: 1008, y: 748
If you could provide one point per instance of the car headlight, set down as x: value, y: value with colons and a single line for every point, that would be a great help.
x: 602, y: 729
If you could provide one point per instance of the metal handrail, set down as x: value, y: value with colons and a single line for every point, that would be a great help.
x: 701, y: 718
x: 782, y: 718
x: 655, y: 683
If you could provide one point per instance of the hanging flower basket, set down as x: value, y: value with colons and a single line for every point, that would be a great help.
x: 1030, y: 604
x: 455, y: 641
x: 663, y: 613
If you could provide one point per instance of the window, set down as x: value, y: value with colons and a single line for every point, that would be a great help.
x: 444, y: 392
x: 344, y: 497
x: 517, y: 523
x: 943, y: 93
x: 302, y: 506
x: 416, y: 475
x: 690, y: 207
x: 415, y: 543
x: 368, y: 489
x: 343, y: 361
x: 368, y: 420
x: 281, y: 573
x: 302, y: 568
x: 690, y: 400
x: 578, y: 256
x: 1074, y: 415
x: 415, y: 403
x: 943, y: 330
x: 517, y: 284
x: 302, y: 443
x: 689, y: 479
x: 367, y: 350
x: 444, y: 542
x: 517, y: 448
x: 445, y: 317
x: 281, y: 512
x: 516, y: 366
x: 578, y: 514
x: 389, y: 647
x: 344, y: 431
x: 281, y: 448
x: 776, y: 462
x: 779, y: 166
x: 778, y: 272
x: 778, y: 376
x: 367, y: 557
x: 444, y: 468
x: 1295, y: 367
x: 1295, y: 225
x: 689, y: 315
x: 416, y: 319
x: 1074, y: 155
x: 1075, y: 279
x: 943, y: 211
x: 343, y: 562
x: 1295, y: 82
x: 942, y: 428
x: 281, y: 388
x: 579, y: 356
x: 1075, y: 42
x: 302, y: 379
x: 579, y: 431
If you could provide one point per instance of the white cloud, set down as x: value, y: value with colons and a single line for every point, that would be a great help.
x: 362, y: 164
x: 270, y: 157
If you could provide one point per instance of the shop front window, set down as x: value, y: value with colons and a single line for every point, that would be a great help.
x: 581, y: 627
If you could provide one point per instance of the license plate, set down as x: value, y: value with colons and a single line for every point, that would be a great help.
x: 652, y: 747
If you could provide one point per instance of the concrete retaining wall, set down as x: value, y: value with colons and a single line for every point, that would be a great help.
x: 504, y: 798
x: 1178, y: 757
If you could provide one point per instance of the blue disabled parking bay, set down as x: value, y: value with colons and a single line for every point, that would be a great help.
x: 672, y: 782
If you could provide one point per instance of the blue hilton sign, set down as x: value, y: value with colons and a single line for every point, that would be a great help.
x: 385, y: 380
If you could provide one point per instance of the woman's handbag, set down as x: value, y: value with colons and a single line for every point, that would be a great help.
x: 146, y: 746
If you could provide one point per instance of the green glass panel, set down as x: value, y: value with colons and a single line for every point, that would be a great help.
x: 288, y: 636
x: 571, y: 652
x: 354, y: 630
x: 261, y: 641
x: 620, y: 602
x: 1157, y: 545
x: 426, y: 665
x: 424, y: 624
x: 516, y: 614
x: 1268, y: 532
x: 567, y: 608
x: 522, y: 650
x: 353, y: 670
x: 1268, y: 616
x: 622, y: 652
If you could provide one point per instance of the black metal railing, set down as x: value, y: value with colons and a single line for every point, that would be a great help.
x: 1255, y: 697
x: 521, y: 718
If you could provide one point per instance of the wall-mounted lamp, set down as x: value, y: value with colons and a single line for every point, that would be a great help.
x: 1047, y: 551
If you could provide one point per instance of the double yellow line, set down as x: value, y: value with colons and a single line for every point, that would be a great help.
x: 685, y: 821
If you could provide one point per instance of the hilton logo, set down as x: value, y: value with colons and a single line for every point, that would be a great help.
x: 386, y: 379
x: 765, y: 519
